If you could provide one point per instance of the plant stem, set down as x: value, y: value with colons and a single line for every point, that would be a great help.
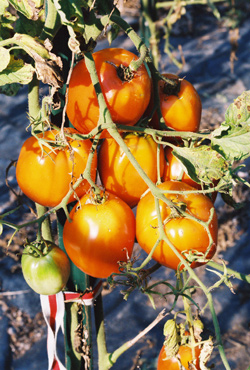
x: 103, y: 355
x: 235, y: 274
x: 46, y: 225
x: 33, y: 99
x: 117, y: 353
x: 52, y: 21
x: 166, y: 4
x: 34, y: 109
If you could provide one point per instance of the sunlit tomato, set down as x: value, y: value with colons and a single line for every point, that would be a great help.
x: 100, y: 235
x: 184, y: 355
x: 126, y: 99
x: 182, y: 112
x: 185, y: 234
x: 45, y: 175
x: 173, y: 170
x: 119, y: 176
x: 46, y: 271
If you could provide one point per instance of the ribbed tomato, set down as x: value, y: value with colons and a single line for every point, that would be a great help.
x: 126, y: 98
x: 45, y: 175
x: 181, y: 112
x: 119, y: 176
x: 100, y: 235
x: 184, y: 355
x: 185, y: 234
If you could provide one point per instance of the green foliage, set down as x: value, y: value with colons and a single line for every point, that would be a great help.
x: 16, y: 72
x: 6, y: 21
x: 30, y: 9
x: 203, y: 164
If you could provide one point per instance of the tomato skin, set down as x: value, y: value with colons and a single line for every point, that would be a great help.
x: 185, y: 356
x: 47, y: 274
x: 119, y: 176
x: 183, y: 233
x: 126, y: 101
x: 182, y: 112
x: 173, y: 170
x: 99, y: 235
x: 45, y: 176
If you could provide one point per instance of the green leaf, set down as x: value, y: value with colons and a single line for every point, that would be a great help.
x: 1, y: 229
x: 10, y: 89
x: 28, y: 26
x: 29, y: 8
x: 83, y: 32
x: 16, y: 72
x: 113, y: 33
x: 4, y: 58
x: 202, y: 164
x: 239, y: 111
x: 232, y: 142
x: 3, y: 6
x: 6, y: 21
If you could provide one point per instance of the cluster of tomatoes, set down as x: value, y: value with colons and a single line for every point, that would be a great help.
x: 103, y: 227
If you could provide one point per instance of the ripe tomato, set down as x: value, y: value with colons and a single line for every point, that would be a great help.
x: 45, y: 175
x: 119, y: 176
x: 47, y: 273
x: 100, y: 234
x: 185, y: 234
x: 182, y: 112
x: 173, y: 170
x: 126, y: 100
x: 185, y: 356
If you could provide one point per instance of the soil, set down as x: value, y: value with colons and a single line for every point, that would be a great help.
x: 217, y: 61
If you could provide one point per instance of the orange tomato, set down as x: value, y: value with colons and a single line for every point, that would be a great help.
x: 99, y: 235
x: 119, y: 176
x: 181, y: 112
x: 126, y: 100
x: 185, y: 356
x: 45, y: 175
x: 185, y: 234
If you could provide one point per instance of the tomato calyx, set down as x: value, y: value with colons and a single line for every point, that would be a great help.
x: 125, y: 73
x: 171, y: 86
x: 37, y: 249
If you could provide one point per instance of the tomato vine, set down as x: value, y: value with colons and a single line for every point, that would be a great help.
x: 209, y: 159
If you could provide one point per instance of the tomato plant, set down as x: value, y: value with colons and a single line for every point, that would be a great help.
x: 45, y: 267
x: 184, y: 233
x: 174, y: 170
x: 184, y: 356
x: 119, y: 176
x: 127, y: 94
x: 181, y: 111
x: 100, y: 235
x: 45, y: 175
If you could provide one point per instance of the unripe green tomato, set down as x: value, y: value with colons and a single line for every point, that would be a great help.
x: 46, y: 274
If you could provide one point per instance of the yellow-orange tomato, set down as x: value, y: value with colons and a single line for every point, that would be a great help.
x: 119, y: 176
x: 99, y: 235
x: 173, y: 170
x: 182, y: 112
x: 185, y: 234
x: 126, y: 100
x: 45, y: 175
x: 184, y: 355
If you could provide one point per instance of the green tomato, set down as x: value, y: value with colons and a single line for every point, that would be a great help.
x: 45, y: 267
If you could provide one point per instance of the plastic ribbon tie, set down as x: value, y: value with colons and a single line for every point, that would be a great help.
x: 53, y: 308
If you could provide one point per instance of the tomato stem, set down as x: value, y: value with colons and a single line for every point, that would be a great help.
x: 52, y: 21
x: 35, y: 249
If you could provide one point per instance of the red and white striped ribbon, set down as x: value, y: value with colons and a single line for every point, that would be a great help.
x: 53, y: 307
